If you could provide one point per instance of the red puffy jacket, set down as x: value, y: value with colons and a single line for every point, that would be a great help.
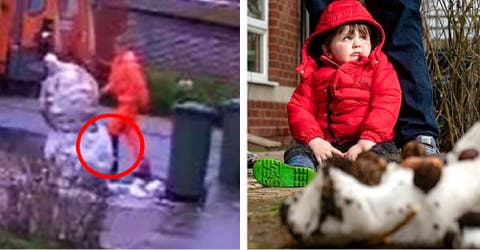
x: 127, y: 84
x: 356, y: 100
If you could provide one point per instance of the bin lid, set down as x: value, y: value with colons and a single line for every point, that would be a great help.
x: 194, y: 108
x: 231, y: 105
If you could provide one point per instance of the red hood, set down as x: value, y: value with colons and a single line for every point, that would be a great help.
x: 338, y: 13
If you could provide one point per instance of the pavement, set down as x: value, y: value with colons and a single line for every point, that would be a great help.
x: 265, y: 229
x: 133, y: 222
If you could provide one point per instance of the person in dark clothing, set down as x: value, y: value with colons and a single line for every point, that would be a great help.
x: 45, y: 37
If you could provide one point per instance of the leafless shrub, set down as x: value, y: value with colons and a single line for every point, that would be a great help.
x: 37, y: 202
x: 452, y: 45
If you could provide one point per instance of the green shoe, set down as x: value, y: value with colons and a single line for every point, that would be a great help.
x: 273, y: 173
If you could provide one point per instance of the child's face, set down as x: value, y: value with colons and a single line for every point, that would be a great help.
x: 347, y: 45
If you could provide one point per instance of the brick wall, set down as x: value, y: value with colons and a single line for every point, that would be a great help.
x: 284, y: 41
x: 269, y: 119
x: 172, y: 35
x: 186, y: 45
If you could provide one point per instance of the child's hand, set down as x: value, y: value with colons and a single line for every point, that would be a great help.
x: 361, y: 146
x: 323, y: 150
x: 105, y: 89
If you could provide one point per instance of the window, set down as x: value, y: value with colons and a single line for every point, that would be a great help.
x: 305, y: 24
x: 35, y: 6
x: 255, y: 52
x: 257, y: 41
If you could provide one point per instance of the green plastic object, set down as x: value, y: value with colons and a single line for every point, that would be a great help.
x: 274, y: 173
x: 190, y: 148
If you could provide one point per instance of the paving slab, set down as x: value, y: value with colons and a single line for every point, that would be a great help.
x: 265, y: 229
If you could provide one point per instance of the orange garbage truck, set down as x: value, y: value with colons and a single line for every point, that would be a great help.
x: 30, y: 28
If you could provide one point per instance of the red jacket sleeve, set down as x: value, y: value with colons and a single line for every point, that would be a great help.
x: 385, y: 104
x: 139, y: 86
x: 301, y: 113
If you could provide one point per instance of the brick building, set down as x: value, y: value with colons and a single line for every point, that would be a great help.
x: 197, y: 37
x: 275, y: 34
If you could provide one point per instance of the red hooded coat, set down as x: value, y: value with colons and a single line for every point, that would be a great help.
x: 127, y: 84
x: 356, y: 100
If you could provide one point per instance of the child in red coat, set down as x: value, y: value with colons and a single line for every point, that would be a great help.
x: 348, y: 101
x: 127, y: 84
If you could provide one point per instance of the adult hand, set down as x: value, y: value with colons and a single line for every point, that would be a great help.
x: 323, y: 150
x: 361, y: 146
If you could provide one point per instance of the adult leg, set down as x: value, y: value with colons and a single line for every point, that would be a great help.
x: 401, y: 20
x: 115, y: 128
x: 114, y: 168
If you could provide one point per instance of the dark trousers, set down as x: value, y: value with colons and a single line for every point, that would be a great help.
x: 401, y: 20
x: 302, y: 155
x: 114, y: 169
